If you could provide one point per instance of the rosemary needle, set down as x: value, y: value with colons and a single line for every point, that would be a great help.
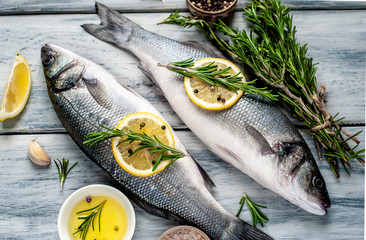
x: 63, y: 170
x: 214, y: 76
x: 257, y: 215
x: 89, y: 216
x: 271, y: 52
x: 153, y: 144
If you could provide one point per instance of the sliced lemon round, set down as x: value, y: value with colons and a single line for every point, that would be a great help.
x: 212, y: 97
x: 141, y: 163
x: 17, y: 89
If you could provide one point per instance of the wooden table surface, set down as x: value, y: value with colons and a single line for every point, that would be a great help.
x: 29, y: 195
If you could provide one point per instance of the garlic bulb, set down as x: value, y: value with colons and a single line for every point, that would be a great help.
x: 37, y: 154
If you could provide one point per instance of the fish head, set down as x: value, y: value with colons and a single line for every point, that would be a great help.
x: 300, y: 179
x: 61, y: 67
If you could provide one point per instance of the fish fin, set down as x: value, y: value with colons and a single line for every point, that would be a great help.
x: 205, y: 48
x: 149, y: 75
x: 114, y: 27
x: 245, y: 231
x: 208, y: 180
x: 151, y: 209
x: 99, y: 92
x: 264, y: 146
x: 231, y: 154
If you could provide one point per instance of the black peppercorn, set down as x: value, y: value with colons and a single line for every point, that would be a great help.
x: 211, y: 5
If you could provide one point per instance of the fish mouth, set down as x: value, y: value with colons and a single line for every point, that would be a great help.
x: 312, y: 204
x: 307, y: 201
x: 318, y: 206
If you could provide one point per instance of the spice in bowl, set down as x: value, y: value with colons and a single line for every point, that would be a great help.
x: 211, y: 9
x: 184, y: 233
x: 212, y: 5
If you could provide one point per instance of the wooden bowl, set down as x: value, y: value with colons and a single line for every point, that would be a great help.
x: 211, y: 15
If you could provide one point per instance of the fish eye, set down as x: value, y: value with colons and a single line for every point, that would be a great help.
x: 48, y: 60
x: 318, y: 182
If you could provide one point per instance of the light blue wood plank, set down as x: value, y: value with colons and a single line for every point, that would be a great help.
x: 30, y: 197
x: 336, y: 40
x: 16, y: 7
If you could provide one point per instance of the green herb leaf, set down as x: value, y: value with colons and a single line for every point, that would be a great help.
x: 63, y: 170
x: 211, y: 75
x: 270, y: 52
x: 89, y: 216
x: 257, y: 214
x: 153, y: 144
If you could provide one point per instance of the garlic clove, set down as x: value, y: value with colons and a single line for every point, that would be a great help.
x: 37, y: 154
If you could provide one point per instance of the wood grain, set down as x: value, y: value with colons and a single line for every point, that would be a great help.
x: 30, y: 197
x: 29, y: 7
x: 335, y: 44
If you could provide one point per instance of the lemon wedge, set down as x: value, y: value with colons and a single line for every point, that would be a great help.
x: 17, y: 89
x: 141, y: 163
x: 208, y: 96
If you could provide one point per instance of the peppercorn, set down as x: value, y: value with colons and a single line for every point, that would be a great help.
x: 211, y: 5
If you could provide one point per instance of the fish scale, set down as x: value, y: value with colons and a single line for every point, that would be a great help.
x: 180, y: 193
x: 253, y: 135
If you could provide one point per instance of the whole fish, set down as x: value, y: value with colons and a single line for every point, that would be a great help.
x: 253, y: 135
x: 85, y: 95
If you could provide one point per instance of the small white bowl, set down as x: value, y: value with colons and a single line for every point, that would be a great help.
x: 96, y: 189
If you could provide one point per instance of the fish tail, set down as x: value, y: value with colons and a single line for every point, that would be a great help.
x: 245, y: 231
x: 114, y: 27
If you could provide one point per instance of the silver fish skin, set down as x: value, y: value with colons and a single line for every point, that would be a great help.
x: 253, y: 135
x: 85, y: 95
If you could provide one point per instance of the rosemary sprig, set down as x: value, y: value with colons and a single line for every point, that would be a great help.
x: 63, y: 170
x: 271, y: 52
x: 204, y: 26
x: 214, y: 76
x: 257, y: 214
x: 153, y: 144
x: 89, y: 216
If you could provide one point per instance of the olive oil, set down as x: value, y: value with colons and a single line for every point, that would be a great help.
x: 113, y: 219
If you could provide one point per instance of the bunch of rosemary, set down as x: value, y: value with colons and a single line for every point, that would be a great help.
x: 271, y: 53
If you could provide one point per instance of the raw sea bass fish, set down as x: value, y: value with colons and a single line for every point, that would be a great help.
x: 85, y: 95
x: 253, y: 135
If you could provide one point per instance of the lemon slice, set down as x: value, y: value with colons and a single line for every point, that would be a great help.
x: 208, y: 96
x: 141, y: 163
x: 17, y: 89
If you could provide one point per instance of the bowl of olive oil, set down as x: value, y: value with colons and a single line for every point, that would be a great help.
x: 96, y: 212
